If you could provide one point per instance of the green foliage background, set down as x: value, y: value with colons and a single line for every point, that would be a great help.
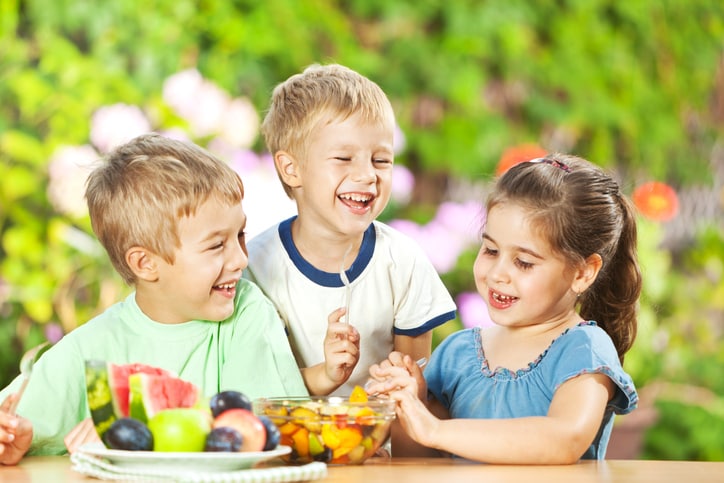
x: 637, y: 86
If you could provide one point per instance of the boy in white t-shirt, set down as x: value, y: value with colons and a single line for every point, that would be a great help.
x: 330, y: 131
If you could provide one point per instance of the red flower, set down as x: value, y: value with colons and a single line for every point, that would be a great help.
x: 656, y: 201
x: 518, y: 154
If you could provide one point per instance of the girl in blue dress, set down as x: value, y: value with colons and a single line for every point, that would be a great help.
x: 559, y: 272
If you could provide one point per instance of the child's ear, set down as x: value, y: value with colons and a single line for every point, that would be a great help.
x: 142, y: 263
x: 587, y: 273
x: 288, y: 168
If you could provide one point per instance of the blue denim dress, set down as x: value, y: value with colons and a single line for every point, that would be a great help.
x: 459, y: 377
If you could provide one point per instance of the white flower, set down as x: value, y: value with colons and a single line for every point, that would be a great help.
x: 240, y: 123
x: 68, y: 170
x: 114, y: 125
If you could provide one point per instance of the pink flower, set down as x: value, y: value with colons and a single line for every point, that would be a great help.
x: 473, y: 310
x: 453, y: 230
x: 462, y: 219
x: 53, y: 332
x: 209, y: 110
x: 114, y: 125
x: 403, y: 183
x: 399, y: 141
x: 240, y: 123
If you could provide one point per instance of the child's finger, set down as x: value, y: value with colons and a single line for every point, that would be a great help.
x: 336, y: 315
x: 8, y: 402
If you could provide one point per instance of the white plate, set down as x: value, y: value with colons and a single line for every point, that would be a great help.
x: 183, y: 462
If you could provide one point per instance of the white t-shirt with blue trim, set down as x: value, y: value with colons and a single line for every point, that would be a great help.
x: 394, y: 290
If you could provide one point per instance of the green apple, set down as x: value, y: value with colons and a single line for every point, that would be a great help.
x: 180, y: 429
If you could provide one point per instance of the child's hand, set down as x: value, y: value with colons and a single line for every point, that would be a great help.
x: 16, y: 433
x: 84, y: 432
x: 398, y: 367
x: 341, y: 348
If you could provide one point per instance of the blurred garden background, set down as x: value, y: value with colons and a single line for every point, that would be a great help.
x: 635, y: 86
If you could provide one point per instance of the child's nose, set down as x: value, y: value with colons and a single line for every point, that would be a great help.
x: 498, y: 271
x: 238, y: 260
x: 363, y: 171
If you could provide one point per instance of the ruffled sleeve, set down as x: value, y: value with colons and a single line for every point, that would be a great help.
x: 587, y: 349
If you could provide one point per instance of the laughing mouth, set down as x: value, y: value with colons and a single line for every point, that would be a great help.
x: 225, y: 286
x: 359, y: 200
x: 502, y: 299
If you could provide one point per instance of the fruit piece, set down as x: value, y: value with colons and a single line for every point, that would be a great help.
x: 358, y: 395
x: 276, y: 411
x: 272, y: 433
x: 100, y: 399
x: 224, y: 400
x: 118, y: 381
x: 357, y: 454
x: 150, y: 394
x: 128, y: 434
x: 316, y: 446
x: 289, y: 428
x: 325, y: 456
x: 223, y: 439
x: 180, y: 429
x: 307, y: 417
x: 330, y: 436
x: 365, y: 416
x: 248, y: 424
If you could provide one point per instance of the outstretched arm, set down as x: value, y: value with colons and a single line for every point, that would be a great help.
x: 16, y: 434
x: 341, y: 353
x: 560, y: 437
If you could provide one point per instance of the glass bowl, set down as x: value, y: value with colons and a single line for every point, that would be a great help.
x: 329, y: 428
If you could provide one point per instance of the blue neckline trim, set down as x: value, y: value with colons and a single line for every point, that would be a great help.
x: 327, y: 279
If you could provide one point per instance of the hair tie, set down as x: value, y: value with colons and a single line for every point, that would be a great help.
x: 552, y: 162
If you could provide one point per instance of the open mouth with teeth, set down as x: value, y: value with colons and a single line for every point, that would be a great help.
x: 228, y: 289
x: 358, y: 202
x: 499, y: 300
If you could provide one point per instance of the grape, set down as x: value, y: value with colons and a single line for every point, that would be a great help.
x: 223, y: 439
x: 128, y: 434
x: 272, y: 433
x: 224, y: 400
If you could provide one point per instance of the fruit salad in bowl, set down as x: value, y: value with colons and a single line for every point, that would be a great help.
x: 331, y: 429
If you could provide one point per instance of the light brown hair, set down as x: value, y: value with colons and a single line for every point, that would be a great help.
x: 143, y: 188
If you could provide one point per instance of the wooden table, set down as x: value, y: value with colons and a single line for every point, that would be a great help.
x: 56, y: 469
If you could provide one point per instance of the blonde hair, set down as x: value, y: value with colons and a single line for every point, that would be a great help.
x: 321, y: 93
x: 142, y: 188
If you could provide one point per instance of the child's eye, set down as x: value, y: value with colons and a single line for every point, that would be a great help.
x: 342, y: 158
x: 382, y: 161
x: 489, y: 251
x: 217, y: 246
x: 523, y: 265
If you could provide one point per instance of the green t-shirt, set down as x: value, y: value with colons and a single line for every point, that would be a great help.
x: 248, y: 352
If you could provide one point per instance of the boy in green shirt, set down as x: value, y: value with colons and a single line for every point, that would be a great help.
x: 169, y: 214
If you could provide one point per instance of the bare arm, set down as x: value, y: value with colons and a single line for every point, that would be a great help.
x: 416, y: 347
x: 560, y: 437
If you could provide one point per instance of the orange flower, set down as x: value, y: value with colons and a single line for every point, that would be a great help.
x: 518, y: 154
x: 656, y: 201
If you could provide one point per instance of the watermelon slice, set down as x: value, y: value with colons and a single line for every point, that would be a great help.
x: 118, y: 375
x: 150, y: 394
x: 108, y: 392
